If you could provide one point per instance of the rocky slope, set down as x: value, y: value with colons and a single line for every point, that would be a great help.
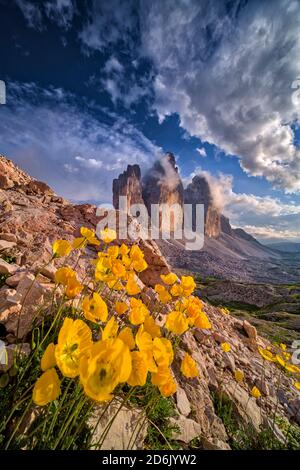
x: 32, y: 216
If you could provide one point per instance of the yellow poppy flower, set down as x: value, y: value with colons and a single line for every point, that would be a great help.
x: 282, y: 346
x: 61, y: 248
x: 225, y: 311
x: 127, y: 337
x: 145, y: 345
x: 169, y: 279
x: 139, y: 370
x: 225, y: 347
x: 132, y: 288
x: 188, y: 285
x: 164, y: 381
x: 95, y: 309
x: 48, y: 359
x: 255, y: 392
x: 138, y: 311
x: 121, y: 307
x: 161, y: 377
x: 139, y: 265
x: 62, y: 275
x: 297, y: 385
x: 292, y: 368
x: 163, y: 352
x: 108, y: 365
x: 202, y: 321
x: 126, y: 261
x: 176, y: 322
x: 151, y: 326
x: 108, y: 235
x: 239, y: 375
x: 168, y: 389
x: 89, y: 235
x: 189, y: 367
x: 118, y: 269
x: 176, y: 290
x: 266, y: 354
x: 164, y: 297
x: 136, y: 253
x: 124, y: 250
x: 280, y: 360
x: 46, y: 388
x: 73, y: 288
x: 74, y: 341
x: 113, y: 251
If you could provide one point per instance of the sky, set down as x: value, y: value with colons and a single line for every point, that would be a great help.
x: 93, y: 85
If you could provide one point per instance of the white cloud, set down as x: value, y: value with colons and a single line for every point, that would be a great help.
x: 60, y: 11
x: 109, y: 22
x: 113, y: 65
x: 272, y: 233
x: 227, y: 70
x: 202, y: 152
x: 46, y: 133
x: 32, y: 14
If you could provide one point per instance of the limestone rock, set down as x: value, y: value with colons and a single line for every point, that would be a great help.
x: 7, y: 268
x: 183, y: 403
x: 214, y: 444
x: 5, y: 245
x: 250, y: 330
x: 188, y: 429
x: 128, y: 430
x: 245, y: 406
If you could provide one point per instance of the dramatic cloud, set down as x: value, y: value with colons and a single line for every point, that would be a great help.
x: 77, y: 153
x: 227, y: 69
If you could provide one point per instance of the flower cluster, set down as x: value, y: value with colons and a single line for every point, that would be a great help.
x: 279, y: 354
x: 115, y: 339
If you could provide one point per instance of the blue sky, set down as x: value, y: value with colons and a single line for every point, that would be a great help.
x: 93, y: 86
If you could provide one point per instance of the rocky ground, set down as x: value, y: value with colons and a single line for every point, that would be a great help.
x: 32, y: 216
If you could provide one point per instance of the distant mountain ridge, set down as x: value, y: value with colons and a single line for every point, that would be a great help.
x: 286, y: 247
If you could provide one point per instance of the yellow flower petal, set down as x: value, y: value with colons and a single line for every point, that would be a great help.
x: 189, y: 367
x: 46, y: 388
x: 177, y: 322
x: 48, y: 359
x: 61, y: 248
x: 255, y: 392
x: 225, y: 347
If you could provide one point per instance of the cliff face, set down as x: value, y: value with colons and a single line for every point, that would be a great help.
x: 198, y: 192
x: 128, y: 184
x: 162, y: 185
